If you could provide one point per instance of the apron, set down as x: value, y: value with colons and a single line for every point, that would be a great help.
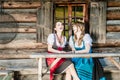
x: 51, y: 60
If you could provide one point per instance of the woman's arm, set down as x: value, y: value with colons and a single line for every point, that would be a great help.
x: 54, y: 50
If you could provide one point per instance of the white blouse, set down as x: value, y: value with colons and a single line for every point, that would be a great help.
x: 51, y: 39
x: 87, y: 39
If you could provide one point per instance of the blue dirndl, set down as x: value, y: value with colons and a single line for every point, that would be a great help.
x: 83, y: 66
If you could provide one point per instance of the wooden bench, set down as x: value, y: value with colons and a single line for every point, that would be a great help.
x: 40, y: 57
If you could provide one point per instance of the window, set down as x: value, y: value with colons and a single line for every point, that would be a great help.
x: 68, y: 13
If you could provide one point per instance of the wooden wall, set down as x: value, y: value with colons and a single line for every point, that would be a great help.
x: 25, y: 42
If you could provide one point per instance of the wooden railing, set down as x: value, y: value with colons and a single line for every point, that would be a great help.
x: 40, y: 57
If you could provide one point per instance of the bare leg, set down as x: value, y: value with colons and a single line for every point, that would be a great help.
x: 68, y: 75
x: 73, y: 72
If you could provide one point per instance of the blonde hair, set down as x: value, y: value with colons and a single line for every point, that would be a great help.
x: 80, y: 26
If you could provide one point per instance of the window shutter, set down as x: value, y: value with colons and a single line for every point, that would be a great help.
x: 98, y: 21
x: 44, y: 21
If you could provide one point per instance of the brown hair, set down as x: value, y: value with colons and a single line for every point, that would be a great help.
x: 82, y: 28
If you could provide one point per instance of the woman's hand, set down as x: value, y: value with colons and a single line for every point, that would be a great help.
x: 62, y: 52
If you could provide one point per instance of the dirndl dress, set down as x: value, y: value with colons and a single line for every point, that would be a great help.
x: 83, y: 66
x: 61, y: 65
x: 88, y: 68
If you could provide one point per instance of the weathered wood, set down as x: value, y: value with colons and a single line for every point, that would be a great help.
x: 113, y: 28
x: 18, y: 36
x: 24, y: 17
x: 113, y: 3
x: 113, y: 15
x: 9, y: 11
x: 113, y: 35
x: 18, y: 30
x: 24, y: 45
x: 114, y: 62
x: 44, y: 19
x: 71, y: 55
x: 113, y: 22
x: 109, y: 43
x: 21, y: 5
x: 98, y: 22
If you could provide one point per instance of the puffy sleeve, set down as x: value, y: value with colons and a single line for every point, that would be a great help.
x: 50, y: 39
x: 71, y: 44
x: 87, y: 39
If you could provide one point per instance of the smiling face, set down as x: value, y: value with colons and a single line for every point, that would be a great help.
x: 76, y: 29
x: 59, y: 27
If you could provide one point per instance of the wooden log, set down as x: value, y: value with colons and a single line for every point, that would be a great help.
x: 106, y: 49
x: 113, y: 35
x: 113, y: 15
x: 18, y: 37
x: 18, y: 30
x: 21, y: 5
x: 24, y: 45
x: 113, y: 22
x: 113, y: 3
x: 24, y: 17
x: 9, y: 11
x: 114, y: 28
x: 109, y: 43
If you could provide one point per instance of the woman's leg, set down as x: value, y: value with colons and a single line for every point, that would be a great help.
x: 68, y: 75
x: 72, y: 72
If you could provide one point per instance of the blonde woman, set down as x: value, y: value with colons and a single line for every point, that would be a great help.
x: 82, y: 43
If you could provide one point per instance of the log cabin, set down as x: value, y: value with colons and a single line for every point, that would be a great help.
x: 25, y: 25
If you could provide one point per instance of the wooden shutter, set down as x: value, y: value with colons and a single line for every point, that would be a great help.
x: 44, y: 21
x: 98, y: 21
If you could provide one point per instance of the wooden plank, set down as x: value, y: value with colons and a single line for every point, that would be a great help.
x: 18, y: 36
x: 98, y: 22
x: 113, y: 3
x: 113, y: 15
x: 113, y: 35
x: 113, y: 22
x: 109, y: 43
x: 21, y: 5
x: 9, y: 11
x: 71, y: 55
x: 114, y: 62
x: 18, y: 30
x: 24, y: 45
x: 24, y: 17
x: 114, y: 28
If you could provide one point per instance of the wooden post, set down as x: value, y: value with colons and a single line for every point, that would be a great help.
x: 40, y: 69
x: 114, y: 62
x: 98, y: 21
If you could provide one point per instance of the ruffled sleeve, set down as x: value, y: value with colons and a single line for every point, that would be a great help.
x: 50, y: 39
x: 87, y: 39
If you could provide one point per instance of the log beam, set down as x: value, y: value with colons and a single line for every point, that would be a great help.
x: 21, y: 5
x: 113, y: 28
x: 18, y: 30
x: 114, y: 4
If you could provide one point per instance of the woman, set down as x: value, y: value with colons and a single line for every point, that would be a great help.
x: 81, y: 43
x: 56, y: 43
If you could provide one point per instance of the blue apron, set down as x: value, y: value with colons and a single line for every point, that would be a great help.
x: 83, y: 66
